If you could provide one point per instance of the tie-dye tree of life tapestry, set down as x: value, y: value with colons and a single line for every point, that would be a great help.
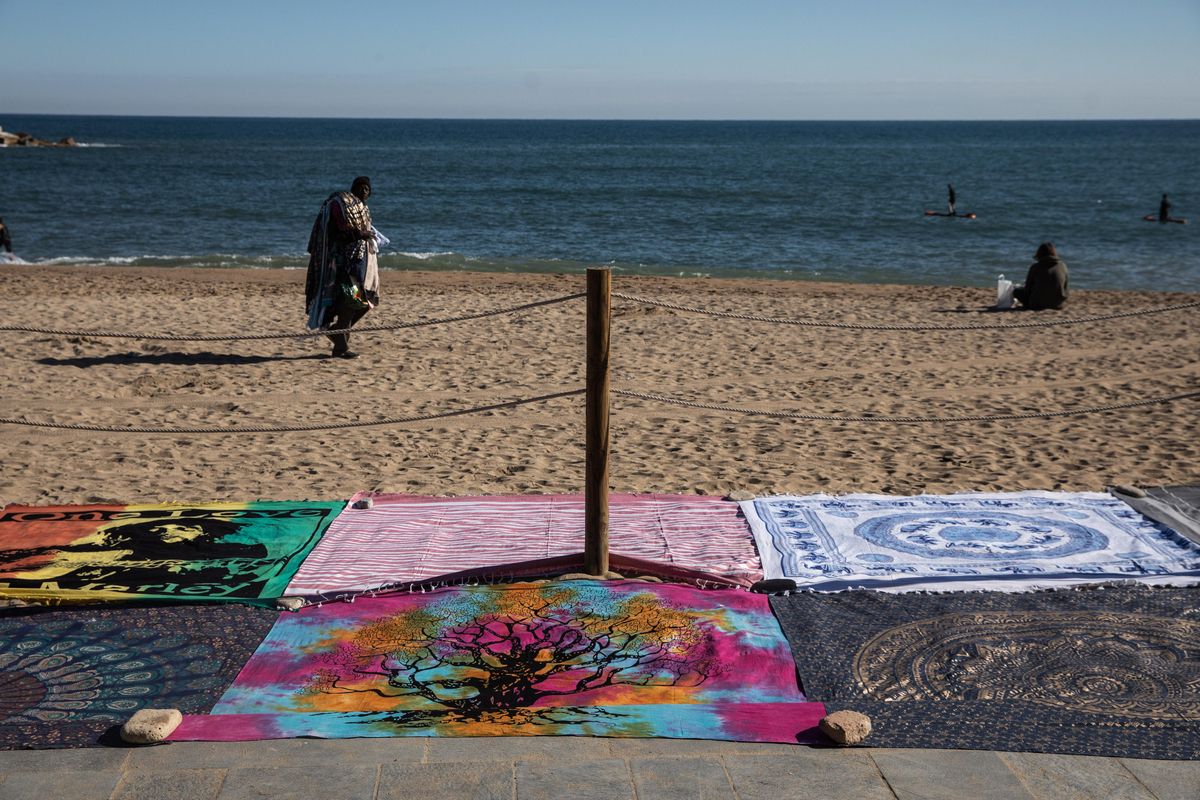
x: 210, y: 552
x: 621, y: 658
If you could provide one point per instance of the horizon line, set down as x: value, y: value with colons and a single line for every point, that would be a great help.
x: 601, y: 119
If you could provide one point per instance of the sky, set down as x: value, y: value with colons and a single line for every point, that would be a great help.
x: 604, y: 59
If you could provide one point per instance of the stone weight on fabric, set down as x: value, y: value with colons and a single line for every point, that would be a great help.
x: 846, y: 727
x: 151, y: 725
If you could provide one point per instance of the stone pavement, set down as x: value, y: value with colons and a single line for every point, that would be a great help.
x: 575, y: 769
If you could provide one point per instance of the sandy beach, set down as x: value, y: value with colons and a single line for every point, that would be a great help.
x: 538, y: 448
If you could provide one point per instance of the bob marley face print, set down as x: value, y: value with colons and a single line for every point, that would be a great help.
x: 220, y: 551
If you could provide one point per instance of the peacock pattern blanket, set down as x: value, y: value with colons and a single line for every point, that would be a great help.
x: 620, y: 658
x: 68, y: 675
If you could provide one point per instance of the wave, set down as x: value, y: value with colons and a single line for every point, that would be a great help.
x: 233, y: 260
x: 442, y: 261
x: 426, y: 256
x: 437, y: 260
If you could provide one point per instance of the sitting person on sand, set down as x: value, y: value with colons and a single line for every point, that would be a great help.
x: 1046, y: 284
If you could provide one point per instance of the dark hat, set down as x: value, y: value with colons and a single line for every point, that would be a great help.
x: 361, y: 180
x: 1044, y: 250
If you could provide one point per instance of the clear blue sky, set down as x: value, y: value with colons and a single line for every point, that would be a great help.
x: 632, y: 59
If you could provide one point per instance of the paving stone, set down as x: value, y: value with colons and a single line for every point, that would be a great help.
x: 1168, y: 780
x: 182, y: 784
x: 490, y: 780
x: 583, y: 780
x: 58, y: 785
x: 690, y: 748
x: 950, y: 774
x: 276, y: 753
x: 831, y: 774
x: 1055, y: 777
x: 681, y: 779
x: 83, y: 759
x: 512, y: 748
x: 301, y: 783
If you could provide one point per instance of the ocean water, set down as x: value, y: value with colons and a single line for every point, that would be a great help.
x: 837, y: 201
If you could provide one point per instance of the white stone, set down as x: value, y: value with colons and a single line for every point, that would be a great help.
x: 151, y: 725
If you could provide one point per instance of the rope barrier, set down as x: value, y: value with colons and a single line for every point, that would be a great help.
x: 171, y: 337
x: 294, y: 428
x: 972, y: 418
x: 862, y: 326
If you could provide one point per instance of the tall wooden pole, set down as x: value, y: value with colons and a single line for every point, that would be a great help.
x: 599, y: 315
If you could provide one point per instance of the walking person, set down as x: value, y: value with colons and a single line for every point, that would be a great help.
x: 5, y: 237
x: 343, y: 269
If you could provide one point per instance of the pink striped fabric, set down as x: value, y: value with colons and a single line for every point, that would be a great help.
x: 405, y: 539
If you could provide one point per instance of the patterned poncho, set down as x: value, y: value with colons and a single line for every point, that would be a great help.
x: 336, y: 244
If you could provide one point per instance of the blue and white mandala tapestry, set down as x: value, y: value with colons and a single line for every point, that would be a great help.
x: 1013, y: 541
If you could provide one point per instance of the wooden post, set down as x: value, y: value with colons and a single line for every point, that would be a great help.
x: 599, y: 315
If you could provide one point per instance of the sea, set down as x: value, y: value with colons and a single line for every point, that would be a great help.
x: 829, y: 201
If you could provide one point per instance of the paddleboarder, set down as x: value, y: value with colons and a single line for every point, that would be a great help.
x: 950, y: 198
x: 1164, y: 209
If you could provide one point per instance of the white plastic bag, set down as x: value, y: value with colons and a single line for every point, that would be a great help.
x: 1004, y: 293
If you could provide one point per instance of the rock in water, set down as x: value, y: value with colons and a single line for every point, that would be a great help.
x: 151, y: 725
x: 846, y: 727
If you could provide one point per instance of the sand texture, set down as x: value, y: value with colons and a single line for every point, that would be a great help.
x: 539, y: 448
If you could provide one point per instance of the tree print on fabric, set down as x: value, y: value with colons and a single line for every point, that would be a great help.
x: 519, y: 649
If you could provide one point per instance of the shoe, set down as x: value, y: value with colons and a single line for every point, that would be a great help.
x: 345, y: 354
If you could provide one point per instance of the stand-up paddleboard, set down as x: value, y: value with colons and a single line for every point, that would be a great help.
x: 1154, y: 218
x: 962, y: 214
